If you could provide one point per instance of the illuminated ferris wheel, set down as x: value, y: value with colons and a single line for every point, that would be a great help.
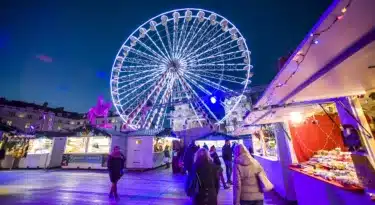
x: 184, y: 56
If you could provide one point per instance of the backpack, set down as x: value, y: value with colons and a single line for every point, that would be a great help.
x: 192, y: 185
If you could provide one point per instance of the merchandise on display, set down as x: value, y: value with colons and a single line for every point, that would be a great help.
x: 333, y: 165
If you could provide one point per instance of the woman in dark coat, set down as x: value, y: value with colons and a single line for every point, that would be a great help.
x: 208, y: 177
x: 115, y: 167
x: 216, y: 160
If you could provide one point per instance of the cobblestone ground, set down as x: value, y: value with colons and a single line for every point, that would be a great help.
x: 62, y: 187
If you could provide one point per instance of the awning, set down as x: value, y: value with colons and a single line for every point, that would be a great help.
x: 283, y: 114
x: 215, y: 136
x: 161, y: 132
x: 342, y: 63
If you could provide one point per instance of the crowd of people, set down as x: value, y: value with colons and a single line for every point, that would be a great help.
x: 205, y: 172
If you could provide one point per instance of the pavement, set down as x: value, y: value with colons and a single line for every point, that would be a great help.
x: 84, y: 187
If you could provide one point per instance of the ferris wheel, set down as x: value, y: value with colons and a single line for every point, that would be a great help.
x: 185, y: 56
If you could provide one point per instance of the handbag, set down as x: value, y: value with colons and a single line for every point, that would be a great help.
x: 264, y: 183
x: 193, y: 185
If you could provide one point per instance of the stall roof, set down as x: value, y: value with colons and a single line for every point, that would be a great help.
x: 7, y: 128
x: 53, y: 134
x: 96, y: 131
x: 340, y: 64
x: 282, y: 114
x: 214, y: 136
x: 151, y: 132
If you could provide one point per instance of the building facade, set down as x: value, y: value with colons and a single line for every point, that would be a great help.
x: 236, y: 116
x: 30, y: 116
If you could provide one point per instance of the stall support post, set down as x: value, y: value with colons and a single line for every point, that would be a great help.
x: 286, y: 157
x: 45, y: 163
x: 350, y: 112
x: 357, y: 119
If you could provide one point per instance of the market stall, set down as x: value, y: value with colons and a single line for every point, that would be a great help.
x: 321, y: 70
x: 146, y: 148
x: 87, y: 148
x: 217, y: 139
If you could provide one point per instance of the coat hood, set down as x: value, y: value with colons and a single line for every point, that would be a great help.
x: 243, y: 160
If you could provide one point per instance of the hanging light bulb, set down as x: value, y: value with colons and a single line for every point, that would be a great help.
x: 343, y: 10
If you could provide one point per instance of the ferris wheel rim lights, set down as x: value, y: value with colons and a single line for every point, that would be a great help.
x: 165, y: 58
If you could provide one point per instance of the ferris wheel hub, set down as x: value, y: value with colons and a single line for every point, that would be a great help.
x: 174, y: 65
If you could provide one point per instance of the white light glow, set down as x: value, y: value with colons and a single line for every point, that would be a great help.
x: 296, y: 117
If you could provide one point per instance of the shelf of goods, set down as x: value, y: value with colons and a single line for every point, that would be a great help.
x: 335, y: 167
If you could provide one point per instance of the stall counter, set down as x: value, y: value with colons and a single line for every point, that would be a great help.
x: 312, y: 190
x: 84, y: 161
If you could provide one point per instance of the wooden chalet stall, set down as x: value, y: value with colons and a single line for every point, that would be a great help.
x: 315, y: 107
x: 146, y: 148
x: 88, y: 147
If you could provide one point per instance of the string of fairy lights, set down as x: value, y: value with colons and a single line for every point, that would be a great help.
x: 301, y: 55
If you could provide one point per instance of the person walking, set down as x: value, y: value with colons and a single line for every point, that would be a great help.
x: 205, y: 146
x: 246, y: 184
x: 189, y: 157
x: 227, y: 153
x: 216, y: 160
x: 205, y: 172
x: 167, y: 157
x: 115, y: 165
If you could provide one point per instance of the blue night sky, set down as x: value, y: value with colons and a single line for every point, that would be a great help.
x: 61, y: 52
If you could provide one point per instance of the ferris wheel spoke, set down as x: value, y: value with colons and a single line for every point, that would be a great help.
x: 169, y: 39
x: 150, y: 58
x: 136, y: 109
x: 152, y: 110
x: 157, y: 47
x: 192, y: 27
x: 194, y: 36
x: 214, y: 41
x: 162, y: 42
x: 188, y: 79
x: 140, y: 107
x: 209, y: 83
x: 154, y: 53
x: 139, y: 68
x: 222, y: 56
x: 204, y: 37
x: 216, y: 45
x: 218, y: 67
x: 224, y: 77
x: 175, y: 33
x: 185, y: 25
x: 137, y: 88
x: 137, y: 61
x: 163, y: 97
x: 131, y: 82
x: 202, y: 101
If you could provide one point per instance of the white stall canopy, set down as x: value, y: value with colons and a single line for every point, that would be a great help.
x: 294, y: 112
x: 340, y: 60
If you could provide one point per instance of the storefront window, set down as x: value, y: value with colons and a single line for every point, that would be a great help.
x: 98, y: 145
x: 160, y: 144
x: 269, y: 141
x: 76, y: 145
x: 264, y: 142
x: 39, y: 146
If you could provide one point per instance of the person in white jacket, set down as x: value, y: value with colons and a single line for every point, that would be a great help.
x: 246, y: 189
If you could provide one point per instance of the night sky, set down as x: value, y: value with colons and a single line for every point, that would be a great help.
x: 62, y: 53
